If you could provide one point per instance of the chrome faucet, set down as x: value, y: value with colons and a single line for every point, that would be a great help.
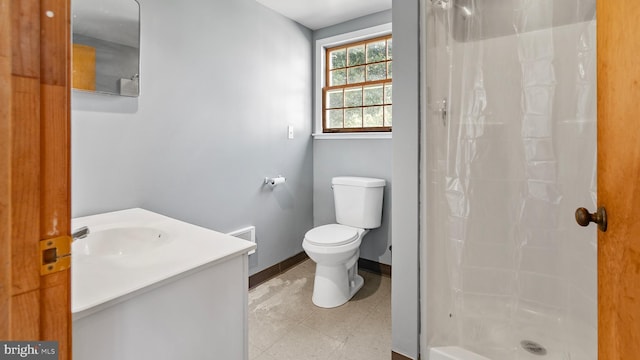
x: 80, y: 233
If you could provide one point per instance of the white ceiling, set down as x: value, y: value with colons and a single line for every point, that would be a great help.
x: 316, y: 14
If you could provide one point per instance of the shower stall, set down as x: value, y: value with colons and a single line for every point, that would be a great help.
x: 508, y: 153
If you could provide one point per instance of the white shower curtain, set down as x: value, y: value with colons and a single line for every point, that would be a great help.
x: 510, y: 137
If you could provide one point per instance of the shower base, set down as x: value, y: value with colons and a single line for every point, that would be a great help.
x: 520, y: 345
x: 453, y: 353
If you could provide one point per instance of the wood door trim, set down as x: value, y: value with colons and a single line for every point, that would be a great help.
x: 34, y: 168
x: 5, y: 167
x: 618, y: 173
x: 25, y: 184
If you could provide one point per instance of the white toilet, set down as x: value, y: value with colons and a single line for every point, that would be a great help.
x: 335, y: 248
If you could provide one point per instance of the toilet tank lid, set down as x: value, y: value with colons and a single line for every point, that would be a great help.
x: 358, y: 181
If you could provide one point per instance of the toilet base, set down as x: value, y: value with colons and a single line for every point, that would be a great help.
x: 359, y: 282
x: 334, y: 285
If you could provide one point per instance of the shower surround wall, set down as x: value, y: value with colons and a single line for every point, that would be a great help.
x: 220, y: 82
x: 506, y: 169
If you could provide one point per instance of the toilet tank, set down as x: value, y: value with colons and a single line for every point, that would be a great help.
x: 358, y: 201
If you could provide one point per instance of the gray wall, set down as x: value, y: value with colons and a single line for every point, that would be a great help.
x: 382, y: 17
x: 220, y: 82
x: 406, y: 128
x: 367, y: 157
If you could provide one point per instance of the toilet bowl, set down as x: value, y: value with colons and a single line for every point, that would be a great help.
x: 335, y: 248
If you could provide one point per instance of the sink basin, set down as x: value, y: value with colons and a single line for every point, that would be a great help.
x: 122, y: 241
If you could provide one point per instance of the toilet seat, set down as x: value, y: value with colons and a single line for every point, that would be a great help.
x: 331, y: 235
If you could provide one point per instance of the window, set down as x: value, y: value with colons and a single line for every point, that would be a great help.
x: 357, y: 92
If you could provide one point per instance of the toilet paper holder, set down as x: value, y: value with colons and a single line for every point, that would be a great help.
x: 274, y: 181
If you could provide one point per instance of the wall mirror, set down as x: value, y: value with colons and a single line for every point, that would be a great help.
x: 106, y: 46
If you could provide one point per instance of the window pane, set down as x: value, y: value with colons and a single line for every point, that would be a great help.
x: 387, y: 115
x: 338, y: 59
x: 376, y: 51
x: 376, y: 72
x: 353, y: 97
x: 334, y: 119
x: 356, y: 55
x: 353, y: 118
x: 373, y: 116
x: 338, y: 77
x: 334, y: 99
x: 359, y: 92
x: 388, y: 93
x: 356, y: 75
x: 373, y: 95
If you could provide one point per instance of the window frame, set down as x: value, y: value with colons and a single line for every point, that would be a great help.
x: 320, y: 81
x: 363, y: 85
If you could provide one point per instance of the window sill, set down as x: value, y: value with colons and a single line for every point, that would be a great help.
x: 352, y: 136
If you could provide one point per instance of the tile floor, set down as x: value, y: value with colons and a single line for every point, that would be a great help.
x: 284, y: 324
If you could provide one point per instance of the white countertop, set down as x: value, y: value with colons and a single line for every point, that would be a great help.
x: 109, y: 279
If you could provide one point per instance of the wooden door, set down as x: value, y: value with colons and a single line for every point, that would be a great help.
x: 618, y: 30
x: 34, y: 168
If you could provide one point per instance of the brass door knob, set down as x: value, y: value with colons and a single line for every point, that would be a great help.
x: 583, y: 218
